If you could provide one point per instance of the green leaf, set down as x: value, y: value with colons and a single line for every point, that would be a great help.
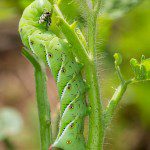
x: 10, y: 122
x: 117, y: 8
x: 141, y: 70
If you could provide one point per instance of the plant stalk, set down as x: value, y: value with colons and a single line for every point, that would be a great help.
x: 42, y: 100
x: 108, y: 113
x: 43, y: 109
x: 95, y: 137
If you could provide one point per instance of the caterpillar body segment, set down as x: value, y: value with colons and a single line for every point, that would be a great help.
x: 57, y: 53
x: 71, y: 89
x: 72, y: 137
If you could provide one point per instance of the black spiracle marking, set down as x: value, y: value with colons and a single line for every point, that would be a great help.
x: 63, y: 70
x: 31, y: 42
x: 50, y: 55
x: 69, y: 86
x: 71, y: 106
x: 69, y: 142
x: 72, y: 125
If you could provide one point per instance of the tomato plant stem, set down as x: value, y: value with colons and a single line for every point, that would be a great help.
x: 42, y: 100
x: 95, y: 135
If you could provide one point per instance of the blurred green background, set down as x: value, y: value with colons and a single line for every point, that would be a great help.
x: 129, y: 35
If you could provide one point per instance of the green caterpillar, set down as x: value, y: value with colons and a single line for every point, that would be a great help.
x: 37, y: 37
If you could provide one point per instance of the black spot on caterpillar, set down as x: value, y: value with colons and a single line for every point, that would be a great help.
x: 66, y: 71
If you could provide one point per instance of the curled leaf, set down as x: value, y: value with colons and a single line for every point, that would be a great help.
x: 141, y: 70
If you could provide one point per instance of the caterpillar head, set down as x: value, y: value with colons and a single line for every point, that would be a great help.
x: 46, y: 18
x: 46, y: 12
x: 32, y: 19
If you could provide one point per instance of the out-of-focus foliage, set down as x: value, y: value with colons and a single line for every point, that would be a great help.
x: 130, y: 34
x: 117, y: 8
x: 6, y: 10
x: 141, y: 70
x: 11, y: 8
x: 10, y: 122
x: 73, y: 10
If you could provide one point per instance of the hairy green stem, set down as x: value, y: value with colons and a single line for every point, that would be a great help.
x: 95, y: 136
x: 92, y: 25
x: 42, y: 100
x: 108, y: 113
x: 113, y: 103
x: 43, y: 109
x: 120, y: 74
x: 91, y: 33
